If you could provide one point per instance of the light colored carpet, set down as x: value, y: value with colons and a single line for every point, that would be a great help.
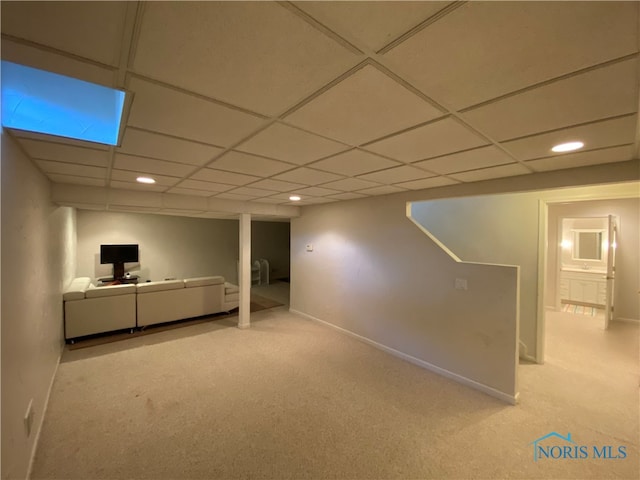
x: 289, y: 398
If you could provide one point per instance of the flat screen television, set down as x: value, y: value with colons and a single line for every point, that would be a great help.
x: 118, y: 255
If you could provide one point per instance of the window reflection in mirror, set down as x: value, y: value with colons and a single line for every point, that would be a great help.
x: 587, y: 245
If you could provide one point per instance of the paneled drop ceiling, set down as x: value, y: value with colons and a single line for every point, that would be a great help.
x: 255, y: 101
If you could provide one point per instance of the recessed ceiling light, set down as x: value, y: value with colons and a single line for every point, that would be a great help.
x: 294, y: 198
x: 567, y: 147
x: 145, y: 180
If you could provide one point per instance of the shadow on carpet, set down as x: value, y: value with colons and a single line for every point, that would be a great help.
x: 257, y: 304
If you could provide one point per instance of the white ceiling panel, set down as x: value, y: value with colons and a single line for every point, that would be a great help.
x: 250, y: 164
x: 128, y: 176
x: 88, y: 29
x: 235, y: 52
x: 277, y: 185
x: 506, y: 46
x: 470, y: 160
x: 190, y: 191
x: 317, y: 191
x: 492, y: 172
x: 146, y: 144
x: 65, y: 153
x: 437, y: 138
x: 350, y: 184
x: 290, y: 144
x: 169, y: 111
x: 428, y: 183
x: 354, y: 162
x: 347, y: 196
x: 149, y: 165
x: 382, y: 190
x: 582, y: 159
x: 218, y: 176
x: 54, y: 139
x: 404, y: 173
x: 48, y: 166
x: 73, y: 179
x: 617, y: 131
x: 307, y: 176
x: 598, y: 94
x: 52, y: 62
x: 137, y: 186
x: 270, y: 200
x: 371, y: 25
x: 235, y: 196
x: 354, y: 112
x: 254, y: 192
x: 206, y: 186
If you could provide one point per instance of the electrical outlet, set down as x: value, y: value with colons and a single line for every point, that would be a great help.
x: 461, y: 283
x: 309, y: 247
x: 28, y: 418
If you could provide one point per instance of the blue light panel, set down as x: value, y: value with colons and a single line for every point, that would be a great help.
x: 45, y: 102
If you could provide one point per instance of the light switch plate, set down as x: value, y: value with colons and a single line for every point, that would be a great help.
x: 461, y: 283
x: 309, y: 247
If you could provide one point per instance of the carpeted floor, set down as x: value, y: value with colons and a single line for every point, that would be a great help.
x: 290, y: 398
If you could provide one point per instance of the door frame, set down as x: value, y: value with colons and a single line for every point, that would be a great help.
x: 543, y: 232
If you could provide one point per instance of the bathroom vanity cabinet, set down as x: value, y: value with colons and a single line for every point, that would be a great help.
x: 584, y: 287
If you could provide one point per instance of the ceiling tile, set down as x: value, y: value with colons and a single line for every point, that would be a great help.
x: 492, y: 172
x: 65, y: 153
x: 206, y: 186
x: 396, y: 174
x: 506, y: 46
x: 218, y: 176
x: 354, y: 162
x: 597, y: 94
x: 150, y: 165
x: 437, y: 138
x: 350, y: 184
x: 60, y: 64
x: 617, y: 131
x: 470, y: 160
x: 428, y: 183
x: 307, y: 176
x: 277, y: 185
x: 128, y: 176
x: 137, y: 186
x: 88, y: 29
x: 370, y: 25
x: 582, y: 159
x: 317, y: 191
x: 48, y: 166
x: 382, y: 190
x: 73, y: 179
x: 146, y: 144
x: 354, y: 111
x: 254, y: 192
x: 347, y: 196
x: 165, y: 110
x: 235, y: 196
x: 290, y: 144
x: 189, y: 191
x: 236, y: 52
x: 270, y: 200
x: 19, y: 134
x: 250, y: 164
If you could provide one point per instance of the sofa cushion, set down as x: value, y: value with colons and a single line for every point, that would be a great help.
x: 76, y: 289
x: 159, y: 286
x: 232, y: 297
x: 230, y: 288
x: 202, y: 281
x: 110, y: 291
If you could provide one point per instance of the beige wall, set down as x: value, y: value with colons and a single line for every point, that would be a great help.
x: 170, y: 247
x: 270, y: 240
x: 38, y: 241
x: 627, y: 210
x: 374, y: 273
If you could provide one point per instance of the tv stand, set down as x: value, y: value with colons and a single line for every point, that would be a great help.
x: 118, y: 271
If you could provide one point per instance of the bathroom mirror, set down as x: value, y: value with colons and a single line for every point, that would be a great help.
x: 587, y: 245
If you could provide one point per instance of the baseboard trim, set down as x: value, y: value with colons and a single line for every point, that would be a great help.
x: 44, y: 414
x: 626, y: 320
x: 505, y: 397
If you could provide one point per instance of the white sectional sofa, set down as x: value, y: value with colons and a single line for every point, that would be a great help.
x: 90, y: 310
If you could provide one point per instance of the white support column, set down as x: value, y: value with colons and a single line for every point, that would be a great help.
x: 244, y: 273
